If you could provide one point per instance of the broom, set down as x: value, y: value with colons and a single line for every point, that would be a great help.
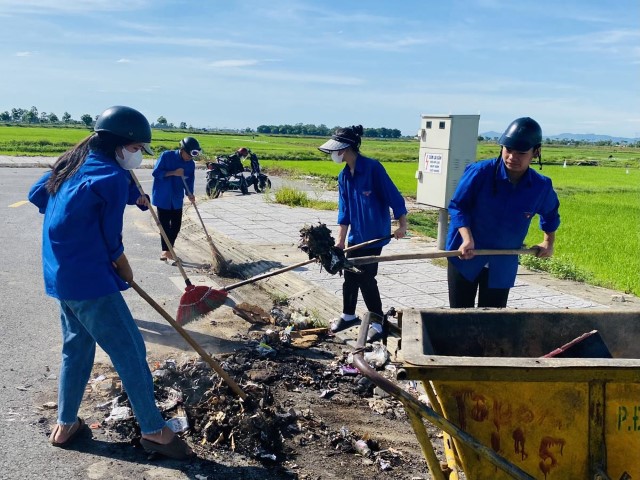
x: 196, y: 300
x: 221, y: 295
x: 219, y: 263
x: 196, y: 346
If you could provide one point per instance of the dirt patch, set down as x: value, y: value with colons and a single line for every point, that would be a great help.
x: 308, y: 417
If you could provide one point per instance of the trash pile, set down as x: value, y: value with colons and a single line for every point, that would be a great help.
x: 202, y: 408
x: 317, y: 242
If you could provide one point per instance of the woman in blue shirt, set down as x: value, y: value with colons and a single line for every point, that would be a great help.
x: 492, y: 208
x: 366, y: 193
x: 171, y: 171
x: 83, y: 199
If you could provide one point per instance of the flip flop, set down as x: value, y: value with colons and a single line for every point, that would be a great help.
x: 176, y: 448
x: 73, y: 436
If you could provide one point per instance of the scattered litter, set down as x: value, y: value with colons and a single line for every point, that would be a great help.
x: 378, y: 356
x: 348, y: 370
x: 328, y: 393
x: 119, y: 413
x: 362, y: 448
x: 178, y: 424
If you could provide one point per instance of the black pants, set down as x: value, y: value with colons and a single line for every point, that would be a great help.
x: 365, y: 282
x: 171, y: 221
x: 462, y: 292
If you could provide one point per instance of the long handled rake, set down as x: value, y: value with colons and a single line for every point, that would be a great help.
x: 196, y: 300
x: 219, y: 263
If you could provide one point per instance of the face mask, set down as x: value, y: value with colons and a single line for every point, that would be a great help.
x: 129, y: 160
x: 337, y: 157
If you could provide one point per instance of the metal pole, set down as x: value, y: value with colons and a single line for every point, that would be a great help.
x: 443, y: 226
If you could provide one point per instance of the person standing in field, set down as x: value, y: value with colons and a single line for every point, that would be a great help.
x: 85, y: 268
x: 171, y: 171
x: 366, y: 193
x: 492, y: 208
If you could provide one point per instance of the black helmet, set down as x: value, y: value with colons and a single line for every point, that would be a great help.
x: 126, y: 123
x: 191, y: 146
x: 243, y: 151
x: 522, y: 134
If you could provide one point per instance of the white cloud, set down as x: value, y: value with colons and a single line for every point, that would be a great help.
x: 24, y: 54
x: 233, y: 63
x: 124, y: 60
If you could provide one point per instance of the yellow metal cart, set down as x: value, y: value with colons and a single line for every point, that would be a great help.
x: 507, y: 412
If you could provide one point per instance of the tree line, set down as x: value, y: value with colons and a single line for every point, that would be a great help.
x: 32, y: 116
x: 323, y: 131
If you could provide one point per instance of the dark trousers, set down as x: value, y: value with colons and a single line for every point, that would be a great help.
x: 171, y: 221
x: 462, y: 292
x: 364, y: 282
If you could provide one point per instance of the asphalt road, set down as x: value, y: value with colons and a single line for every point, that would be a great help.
x: 30, y: 341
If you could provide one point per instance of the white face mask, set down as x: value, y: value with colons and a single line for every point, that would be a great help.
x: 337, y: 157
x: 129, y: 160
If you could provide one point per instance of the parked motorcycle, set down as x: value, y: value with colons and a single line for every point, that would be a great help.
x: 226, y: 173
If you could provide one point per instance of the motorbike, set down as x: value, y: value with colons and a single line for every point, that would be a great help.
x: 228, y: 173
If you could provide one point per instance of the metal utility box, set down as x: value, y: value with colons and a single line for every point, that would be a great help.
x: 447, y: 145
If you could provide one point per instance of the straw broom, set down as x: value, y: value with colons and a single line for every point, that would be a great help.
x: 196, y: 300
x: 219, y: 263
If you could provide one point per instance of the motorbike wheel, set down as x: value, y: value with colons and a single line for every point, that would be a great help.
x: 214, y: 188
x: 265, y: 183
x: 244, y: 188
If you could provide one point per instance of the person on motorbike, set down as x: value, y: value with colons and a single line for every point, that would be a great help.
x: 168, y: 189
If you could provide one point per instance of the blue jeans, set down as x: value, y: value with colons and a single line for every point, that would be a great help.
x: 108, y: 322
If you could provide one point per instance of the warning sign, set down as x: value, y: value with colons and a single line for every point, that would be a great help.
x: 433, y: 162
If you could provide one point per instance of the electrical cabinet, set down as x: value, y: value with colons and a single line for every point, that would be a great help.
x: 448, y: 143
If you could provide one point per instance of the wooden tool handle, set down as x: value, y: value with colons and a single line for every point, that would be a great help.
x: 196, y: 346
x: 438, y: 254
x: 217, y: 256
x: 300, y: 264
x: 162, y: 232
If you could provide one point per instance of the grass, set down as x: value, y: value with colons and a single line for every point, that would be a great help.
x: 297, y: 198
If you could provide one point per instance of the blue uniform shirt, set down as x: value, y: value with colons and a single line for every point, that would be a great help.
x: 498, y: 214
x: 364, y: 201
x: 168, y: 192
x: 82, y: 229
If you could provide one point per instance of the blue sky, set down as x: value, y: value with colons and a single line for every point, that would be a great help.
x: 573, y: 65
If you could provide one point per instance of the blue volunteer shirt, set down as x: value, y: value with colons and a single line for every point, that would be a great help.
x: 364, y: 201
x: 498, y: 214
x: 82, y: 229
x: 168, y: 192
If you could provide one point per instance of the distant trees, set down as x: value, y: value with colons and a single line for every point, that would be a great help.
x: 86, y: 119
x: 322, y: 130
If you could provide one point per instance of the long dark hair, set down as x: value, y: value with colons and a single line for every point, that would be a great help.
x: 351, y: 135
x: 70, y: 161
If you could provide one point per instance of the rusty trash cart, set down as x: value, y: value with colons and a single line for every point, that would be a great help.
x: 508, y: 413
